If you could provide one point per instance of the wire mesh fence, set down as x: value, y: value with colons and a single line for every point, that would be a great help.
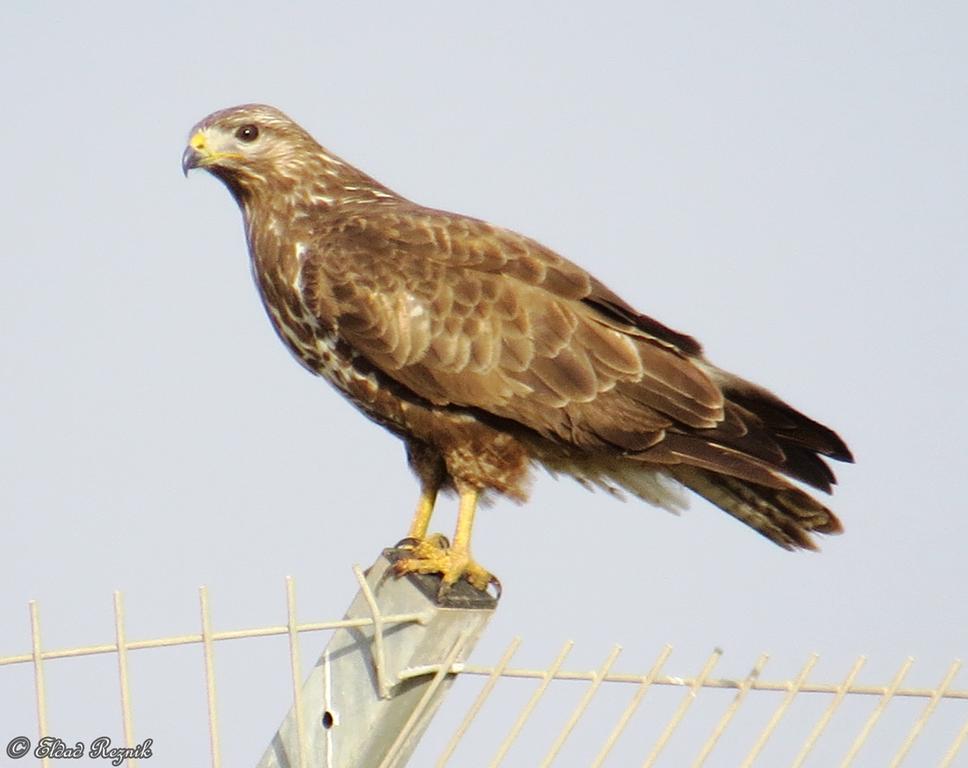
x: 501, y: 714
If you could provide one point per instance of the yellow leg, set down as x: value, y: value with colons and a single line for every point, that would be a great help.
x: 425, y: 508
x: 451, y: 563
x: 465, y: 522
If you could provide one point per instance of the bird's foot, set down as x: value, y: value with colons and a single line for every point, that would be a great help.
x: 434, y: 555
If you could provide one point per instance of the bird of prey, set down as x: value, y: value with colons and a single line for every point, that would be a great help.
x: 488, y: 354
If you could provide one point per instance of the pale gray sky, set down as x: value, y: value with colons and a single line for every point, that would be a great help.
x: 786, y: 183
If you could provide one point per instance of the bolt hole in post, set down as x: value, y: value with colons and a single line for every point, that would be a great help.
x: 328, y: 720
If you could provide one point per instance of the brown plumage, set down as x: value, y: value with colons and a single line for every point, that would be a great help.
x: 488, y: 353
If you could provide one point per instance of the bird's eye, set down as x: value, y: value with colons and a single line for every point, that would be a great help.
x: 247, y: 133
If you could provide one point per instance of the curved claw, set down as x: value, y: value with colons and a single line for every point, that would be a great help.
x: 400, y: 568
x: 412, y: 542
x: 446, y: 586
x: 496, y: 582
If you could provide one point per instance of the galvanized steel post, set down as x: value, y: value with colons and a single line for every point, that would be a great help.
x: 376, y: 687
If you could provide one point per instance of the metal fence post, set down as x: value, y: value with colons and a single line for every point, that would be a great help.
x: 374, y: 690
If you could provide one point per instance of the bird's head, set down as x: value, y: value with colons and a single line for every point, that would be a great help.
x: 259, y: 153
x: 249, y: 144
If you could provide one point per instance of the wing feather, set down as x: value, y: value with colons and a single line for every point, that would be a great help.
x: 467, y: 314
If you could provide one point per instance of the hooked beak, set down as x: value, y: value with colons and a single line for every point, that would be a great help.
x: 196, y: 153
x: 203, y: 151
x: 190, y: 159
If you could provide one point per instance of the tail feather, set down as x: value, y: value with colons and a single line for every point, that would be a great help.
x: 786, y: 515
x: 746, y: 465
x: 789, y: 425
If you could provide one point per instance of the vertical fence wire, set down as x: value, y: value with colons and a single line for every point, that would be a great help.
x: 122, y: 645
x: 828, y: 714
x: 632, y: 706
x: 532, y: 703
x: 582, y: 706
x: 475, y: 708
x: 681, y: 710
x: 781, y: 710
x: 40, y: 688
x: 379, y: 652
x: 731, y: 711
x: 876, y: 714
x: 928, y: 711
x: 295, y: 666
x: 949, y: 757
x: 210, y: 694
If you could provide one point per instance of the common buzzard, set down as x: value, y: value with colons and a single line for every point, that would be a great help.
x: 487, y: 353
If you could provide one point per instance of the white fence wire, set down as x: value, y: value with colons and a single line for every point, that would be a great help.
x: 839, y: 728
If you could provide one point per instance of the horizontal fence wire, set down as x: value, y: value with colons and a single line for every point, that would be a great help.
x: 639, y: 684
